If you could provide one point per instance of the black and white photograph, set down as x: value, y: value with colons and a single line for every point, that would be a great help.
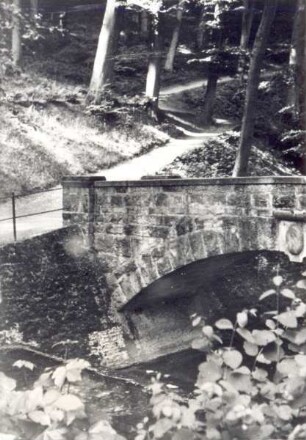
x: 152, y: 220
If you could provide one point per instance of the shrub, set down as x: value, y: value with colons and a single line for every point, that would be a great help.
x: 254, y: 388
x: 48, y: 410
x: 253, y: 392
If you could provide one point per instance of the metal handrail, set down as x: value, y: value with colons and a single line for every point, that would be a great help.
x: 14, y: 217
x: 30, y: 215
x: 30, y: 193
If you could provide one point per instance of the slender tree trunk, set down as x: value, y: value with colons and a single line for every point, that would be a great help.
x: 201, y: 30
x: 119, y: 30
x: 292, y: 98
x: 34, y: 8
x: 300, y: 65
x: 103, y: 64
x: 247, y: 130
x: 144, y: 25
x: 175, y: 36
x: 247, y: 21
x: 154, y: 67
x: 246, y: 26
x: 299, y: 72
x: 212, y: 80
x: 16, y: 33
x: 210, y: 97
x: 297, y: 65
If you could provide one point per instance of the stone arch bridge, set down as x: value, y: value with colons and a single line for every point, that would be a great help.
x: 141, y: 231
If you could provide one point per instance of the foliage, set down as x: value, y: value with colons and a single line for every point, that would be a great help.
x: 294, y: 143
x: 114, y: 105
x: 152, y: 6
x: 48, y: 410
x: 219, y: 57
x: 11, y: 336
x: 32, y: 29
x: 253, y: 389
x: 216, y: 159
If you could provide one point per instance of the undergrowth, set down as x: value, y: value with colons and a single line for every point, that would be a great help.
x: 252, y: 387
x: 217, y: 156
x: 47, y: 133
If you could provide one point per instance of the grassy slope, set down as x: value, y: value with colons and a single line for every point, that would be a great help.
x: 45, y: 132
x: 44, y: 137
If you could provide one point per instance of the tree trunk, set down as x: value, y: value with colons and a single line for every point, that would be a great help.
x: 247, y: 21
x: 16, y: 32
x: 210, y: 97
x: 292, y: 99
x: 154, y: 68
x: 246, y: 26
x: 298, y: 60
x: 297, y: 63
x: 144, y: 25
x: 34, y: 8
x: 247, y: 130
x: 104, y: 60
x: 212, y: 79
x: 120, y: 33
x: 201, y: 31
x: 175, y: 36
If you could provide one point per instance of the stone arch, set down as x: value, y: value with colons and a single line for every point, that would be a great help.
x: 224, y: 236
x: 157, y: 320
x: 188, y: 279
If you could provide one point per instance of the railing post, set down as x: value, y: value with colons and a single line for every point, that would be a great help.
x: 91, y: 215
x: 14, y: 216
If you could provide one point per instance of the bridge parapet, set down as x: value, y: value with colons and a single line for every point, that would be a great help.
x: 142, y: 230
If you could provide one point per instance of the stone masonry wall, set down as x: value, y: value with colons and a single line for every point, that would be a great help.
x: 142, y: 230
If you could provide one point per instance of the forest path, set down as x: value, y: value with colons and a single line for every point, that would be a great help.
x: 147, y: 164
x: 193, y: 136
x: 155, y: 160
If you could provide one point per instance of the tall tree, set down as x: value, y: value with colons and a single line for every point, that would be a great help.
x: 210, y: 94
x: 201, y: 29
x: 247, y: 21
x: 246, y: 26
x: 175, y: 36
x: 144, y: 25
x: 16, y: 32
x: 213, y: 66
x: 247, y: 130
x: 104, y: 59
x: 154, y: 66
x: 153, y: 9
x: 297, y: 65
